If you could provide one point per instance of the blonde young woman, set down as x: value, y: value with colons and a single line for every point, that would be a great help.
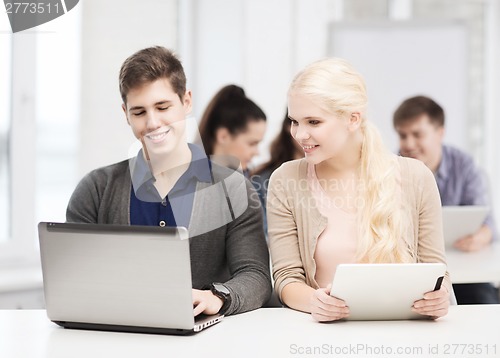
x: 349, y: 200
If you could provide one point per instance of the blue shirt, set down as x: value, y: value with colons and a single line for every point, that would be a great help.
x: 146, y: 205
x: 460, y: 182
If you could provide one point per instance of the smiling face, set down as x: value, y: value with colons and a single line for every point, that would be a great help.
x: 157, y: 115
x: 421, y: 139
x: 321, y: 134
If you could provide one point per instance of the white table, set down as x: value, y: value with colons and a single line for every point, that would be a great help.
x: 470, y: 267
x: 267, y: 332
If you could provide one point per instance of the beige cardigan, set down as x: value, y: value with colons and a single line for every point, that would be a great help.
x: 294, y: 226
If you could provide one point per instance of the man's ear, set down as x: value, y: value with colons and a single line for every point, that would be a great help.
x: 188, y: 102
x: 440, y: 132
x: 354, y: 121
x: 124, y: 107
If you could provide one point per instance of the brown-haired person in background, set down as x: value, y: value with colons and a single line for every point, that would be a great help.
x: 419, y: 122
x: 172, y: 183
x: 232, y: 127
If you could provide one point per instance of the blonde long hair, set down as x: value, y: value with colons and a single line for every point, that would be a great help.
x: 382, y: 222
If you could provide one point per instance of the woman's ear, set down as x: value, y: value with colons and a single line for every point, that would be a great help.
x: 221, y: 136
x: 354, y: 121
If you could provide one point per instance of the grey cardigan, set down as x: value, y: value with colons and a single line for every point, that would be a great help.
x: 227, y: 242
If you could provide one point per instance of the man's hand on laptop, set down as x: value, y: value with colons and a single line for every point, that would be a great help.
x: 204, y: 301
x: 435, y: 304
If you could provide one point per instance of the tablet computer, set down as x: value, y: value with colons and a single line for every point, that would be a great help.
x: 460, y: 221
x: 385, y: 291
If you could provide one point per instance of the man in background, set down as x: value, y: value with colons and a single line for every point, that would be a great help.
x: 419, y: 122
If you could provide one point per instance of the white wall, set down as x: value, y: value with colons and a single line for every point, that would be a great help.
x: 403, y: 59
x: 111, y: 31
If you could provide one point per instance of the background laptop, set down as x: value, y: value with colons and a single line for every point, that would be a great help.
x: 459, y: 221
x: 121, y: 278
x: 385, y: 291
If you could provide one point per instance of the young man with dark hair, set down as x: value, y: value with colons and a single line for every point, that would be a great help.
x: 172, y: 183
x: 419, y: 122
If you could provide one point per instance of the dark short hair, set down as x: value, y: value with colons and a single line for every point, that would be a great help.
x: 230, y: 108
x: 151, y: 64
x: 414, y: 107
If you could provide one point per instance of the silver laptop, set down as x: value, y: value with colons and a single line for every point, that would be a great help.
x: 385, y: 291
x: 460, y: 221
x: 119, y: 278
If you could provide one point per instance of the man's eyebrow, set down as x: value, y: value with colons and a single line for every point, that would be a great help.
x: 163, y: 102
x: 135, y: 108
